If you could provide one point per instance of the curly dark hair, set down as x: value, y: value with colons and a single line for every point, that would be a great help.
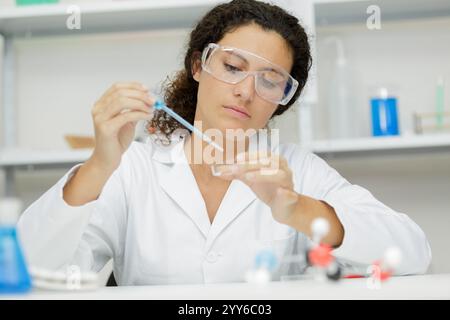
x: 180, y: 93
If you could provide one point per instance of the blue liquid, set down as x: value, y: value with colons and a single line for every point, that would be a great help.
x: 266, y: 259
x: 384, y: 117
x: 14, y: 276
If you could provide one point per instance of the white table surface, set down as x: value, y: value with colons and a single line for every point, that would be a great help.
x: 407, y: 287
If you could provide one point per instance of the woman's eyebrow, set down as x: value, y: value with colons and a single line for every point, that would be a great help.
x: 274, y: 70
x: 239, y: 56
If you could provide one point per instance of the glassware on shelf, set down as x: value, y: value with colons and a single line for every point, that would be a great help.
x: 440, y: 113
x: 33, y: 2
x: 14, y: 275
x: 341, y: 100
x: 425, y: 122
x: 384, y: 113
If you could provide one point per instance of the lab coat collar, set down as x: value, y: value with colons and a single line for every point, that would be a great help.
x: 169, y: 154
x: 176, y: 179
x: 179, y: 183
x: 237, y: 198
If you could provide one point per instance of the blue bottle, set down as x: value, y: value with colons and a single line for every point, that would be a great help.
x: 384, y: 115
x: 14, y: 276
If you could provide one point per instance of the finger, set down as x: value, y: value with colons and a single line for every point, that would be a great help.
x: 126, y: 85
x: 113, y: 91
x: 261, y: 156
x: 122, y: 105
x: 118, y: 122
x: 143, y: 96
x: 253, y: 157
x: 265, y: 165
x: 234, y: 169
x: 244, y: 162
x: 279, y: 177
x: 120, y: 98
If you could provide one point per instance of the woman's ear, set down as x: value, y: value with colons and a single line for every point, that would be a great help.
x: 196, y: 66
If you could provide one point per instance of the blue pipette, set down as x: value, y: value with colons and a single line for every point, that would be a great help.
x: 159, y: 105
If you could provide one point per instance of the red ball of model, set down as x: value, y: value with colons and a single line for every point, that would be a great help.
x: 321, y: 255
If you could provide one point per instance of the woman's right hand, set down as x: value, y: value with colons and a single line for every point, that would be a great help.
x: 115, y: 116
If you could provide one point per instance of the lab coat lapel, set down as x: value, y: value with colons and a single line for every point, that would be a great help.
x: 237, y: 198
x: 176, y: 179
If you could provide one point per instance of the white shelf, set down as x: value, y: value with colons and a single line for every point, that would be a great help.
x: 381, y: 145
x: 20, y: 157
x: 117, y: 16
x: 111, y: 16
x: 329, y: 12
x: 362, y: 146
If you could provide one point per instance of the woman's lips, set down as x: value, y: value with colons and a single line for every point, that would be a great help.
x: 238, y: 113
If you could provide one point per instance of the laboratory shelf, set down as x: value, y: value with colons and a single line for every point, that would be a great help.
x: 98, y: 17
x: 115, y: 16
x: 35, y: 158
x: 26, y: 158
x: 411, y: 144
x: 330, y: 12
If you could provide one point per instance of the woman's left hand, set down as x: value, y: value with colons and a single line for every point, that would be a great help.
x: 270, y: 178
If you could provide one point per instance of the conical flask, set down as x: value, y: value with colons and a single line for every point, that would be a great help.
x: 14, y: 275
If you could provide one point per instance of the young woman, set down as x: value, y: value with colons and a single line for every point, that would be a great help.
x: 165, y: 219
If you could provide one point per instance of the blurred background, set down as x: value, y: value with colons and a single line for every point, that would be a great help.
x: 377, y: 106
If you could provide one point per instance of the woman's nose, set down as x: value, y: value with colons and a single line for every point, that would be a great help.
x: 246, y: 88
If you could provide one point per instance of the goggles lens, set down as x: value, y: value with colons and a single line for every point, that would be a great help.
x: 231, y: 65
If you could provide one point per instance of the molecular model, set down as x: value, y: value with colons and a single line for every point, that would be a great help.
x: 319, y: 255
x: 265, y: 264
x: 383, y: 269
x: 319, y: 258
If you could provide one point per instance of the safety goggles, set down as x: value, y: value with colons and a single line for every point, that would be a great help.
x: 231, y: 65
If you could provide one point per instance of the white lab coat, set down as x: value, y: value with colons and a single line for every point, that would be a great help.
x: 150, y: 218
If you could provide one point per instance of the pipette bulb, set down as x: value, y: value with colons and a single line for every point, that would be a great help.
x: 158, y: 105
